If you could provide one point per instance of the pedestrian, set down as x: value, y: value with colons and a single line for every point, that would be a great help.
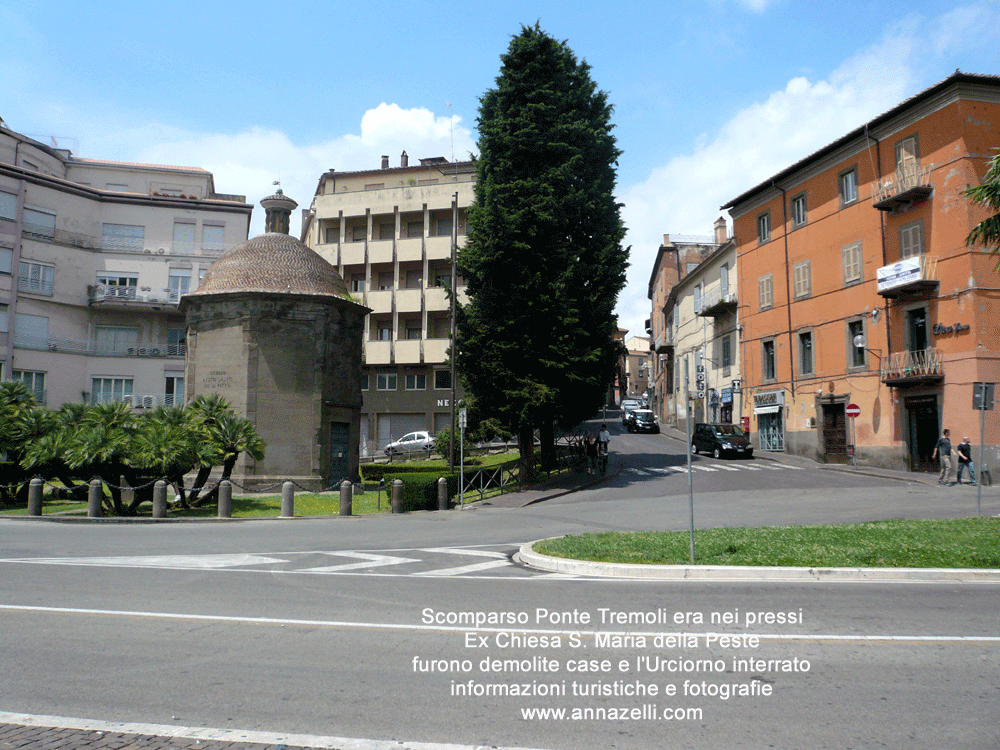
x: 604, y: 436
x: 591, y: 446
x: 942, y: 450
x: 964, y: 450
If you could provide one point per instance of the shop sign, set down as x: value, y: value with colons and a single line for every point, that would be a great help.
x: 898, y: 274
x: 727, y: 395
x: 768, y: 403
x: 940, y: 330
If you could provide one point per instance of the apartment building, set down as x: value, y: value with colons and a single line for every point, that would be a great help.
x: 675, y: 259
x: 856, y: 286
x: 637, y: 366
x: 701, y: 314
x: 391, y: 233
x: 94, y: 256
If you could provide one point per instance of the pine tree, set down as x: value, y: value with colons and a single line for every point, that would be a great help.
x: 543, y: 262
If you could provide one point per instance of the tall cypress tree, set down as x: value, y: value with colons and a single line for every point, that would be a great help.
x: 543, y: 262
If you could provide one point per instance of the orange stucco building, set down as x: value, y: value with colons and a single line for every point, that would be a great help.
x: 857, y: 287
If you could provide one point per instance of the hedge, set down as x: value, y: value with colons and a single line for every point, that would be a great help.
x: 420, y: 489
x: 372, y: 473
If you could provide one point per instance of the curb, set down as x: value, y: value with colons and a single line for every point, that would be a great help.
x: 527, y: 556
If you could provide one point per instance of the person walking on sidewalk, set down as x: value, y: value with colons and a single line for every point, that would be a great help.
x: 591, y: 446
x: 965, y: 461
x: 942, y: 450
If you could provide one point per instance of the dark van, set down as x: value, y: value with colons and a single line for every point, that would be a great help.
x: 719, y: 439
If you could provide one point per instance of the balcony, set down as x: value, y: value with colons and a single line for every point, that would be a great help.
x: 910, y: 185
x: 128, y: 296
x: 716, y: 303
x: 921, y: 367
x: 138, y: 246
x: 663, y: 343
x: 378, y: 352
x: 436, y: 350
x: 910, y: 276
x: 409, y: 300
x: 94, y: 348
x: 408, y: 351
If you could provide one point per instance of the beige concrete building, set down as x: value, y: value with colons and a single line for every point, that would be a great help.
x: 391, y: 233
x: 94, y: 257
x: 637, y: 366
x: 701, y: 313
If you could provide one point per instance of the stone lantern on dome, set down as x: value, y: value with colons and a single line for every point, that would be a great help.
x: 273, y: 329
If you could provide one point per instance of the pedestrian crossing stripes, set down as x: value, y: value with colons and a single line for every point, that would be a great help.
x: 701, y: 466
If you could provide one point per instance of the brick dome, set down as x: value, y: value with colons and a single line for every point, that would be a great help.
x: 273, y: 263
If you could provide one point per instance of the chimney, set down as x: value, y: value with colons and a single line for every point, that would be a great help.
x: 385, y: 162
x: 277, y: 212
x: 720, y: 231
x: 404, y: 160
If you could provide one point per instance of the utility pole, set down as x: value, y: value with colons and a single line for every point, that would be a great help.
x: 454, y: 298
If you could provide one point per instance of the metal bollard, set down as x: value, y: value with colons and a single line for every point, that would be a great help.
x: 95, y: 496
x: 225, y: 499
x: 35, y: 496
x: 397, y: 495
x: 160, y: 499
x: 346, y: 497
x: 287, y: 500
x: 442, y: 494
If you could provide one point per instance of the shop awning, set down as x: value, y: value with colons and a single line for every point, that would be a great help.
x: 767, y: 409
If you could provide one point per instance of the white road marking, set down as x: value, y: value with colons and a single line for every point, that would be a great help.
x: 473, y: 568
x: 187, y: 562
x: 373, y: 561
x: 461, y: 551
x: 699, y: 467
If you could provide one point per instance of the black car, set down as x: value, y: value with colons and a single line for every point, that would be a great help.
x: 719, y: 439
x: 642, y: 420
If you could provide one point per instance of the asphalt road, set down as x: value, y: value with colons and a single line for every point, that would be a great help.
x: 354, y: 628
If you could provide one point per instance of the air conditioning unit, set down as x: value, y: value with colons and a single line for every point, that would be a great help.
x: 132, y: 401
x: 148, y: 402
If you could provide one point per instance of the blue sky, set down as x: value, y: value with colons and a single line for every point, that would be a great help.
x: 710, y: 96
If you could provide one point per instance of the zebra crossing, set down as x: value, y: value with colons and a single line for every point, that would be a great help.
x: 763, y: 466
x: 428, y: 562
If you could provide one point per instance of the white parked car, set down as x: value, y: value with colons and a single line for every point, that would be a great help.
x: 412, y: 442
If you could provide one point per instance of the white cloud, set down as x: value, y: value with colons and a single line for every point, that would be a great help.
x: 249, y: 162
x: 683, y: 196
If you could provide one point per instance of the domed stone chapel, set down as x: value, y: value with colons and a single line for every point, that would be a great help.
x: 273, y: 329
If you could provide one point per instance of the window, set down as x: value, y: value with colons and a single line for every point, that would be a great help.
x: 727, y: 354
x: 386, y: 231
x: 117, y: 339
x: 691, y: 266
x: 213, y: 238
x: 36, y: 278
x: 416, y: 382
x: 386, y: 381
x: 767, y: 363
x: 697, y: 298
x: 852, y: 264
x: 856, y: 343
x: 443, y: 227
x: 724, y: 280
x: 184, y: 237
x: 442, y: 380
x: 414, y: 279
x: 765, y: 291
x: 802, y: 278
x: 110, y: 390
x: 413, y: 330
x: 173, y: 393
x: 4, y: 320
x: 806, y: 353
x: 38, y: 223
x: 358, y: 233
x: 31, y: 331
x: 364, y: 382
x: 907, y: 156
x: 848, y: 186
x: 764, y: 227
x: 383, y: 330
x: 911, y: 240
x: 180, y: 283
x: 442, y: 279
x: 799, y: 210
x: 414, y: 229
x: 35, y: 381
x: 126, y: 237
x: 357, y: 282
x: 117, y: 187
x: 6, y: 260
x: 175, y: 342
x: 331, y: 235
x: 385, y: 280
x: 118, y: 279
x: 8, y: 206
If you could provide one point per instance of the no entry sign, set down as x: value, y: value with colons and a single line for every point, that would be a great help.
x: 853, y: 410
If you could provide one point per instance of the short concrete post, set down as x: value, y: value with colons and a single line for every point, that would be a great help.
x: 95, y: 498
x: 35, y: 487
x: 287, y: 500
x: 346, y: 497
x: 160, y: 499
x: 225, y: 499
x: 397, y: 495
x: 442, y: 494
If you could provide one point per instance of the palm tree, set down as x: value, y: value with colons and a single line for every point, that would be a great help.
x: 166, y: 446
x: 17, y: 403
x: 232, y: 436
x: 206, y: 410
x: 987, y: 232
x: 103, y: 446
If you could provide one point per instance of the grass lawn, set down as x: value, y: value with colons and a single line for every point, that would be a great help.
x: 958, y: 543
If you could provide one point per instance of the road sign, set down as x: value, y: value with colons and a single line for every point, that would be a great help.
x: 736, y: 386
x: 853, y: 410
x: 463, y: 418
x: 982, y: 396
